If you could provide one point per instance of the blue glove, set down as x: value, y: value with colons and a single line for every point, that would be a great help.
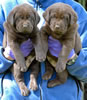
x: 4, y: 63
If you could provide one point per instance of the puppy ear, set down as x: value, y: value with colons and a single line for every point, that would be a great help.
x: 46, y: 16
x: 11, y: 16
x: 37, y: 18
x: 73, y: 18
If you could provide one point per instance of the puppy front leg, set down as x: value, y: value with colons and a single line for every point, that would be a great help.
x: 78, y: 44
x: 39, y: 47
x: 44, y: 39
x: 63, y: 56
x: 18, y: 56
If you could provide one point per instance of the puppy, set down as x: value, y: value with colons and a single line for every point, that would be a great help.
x: 61, y: 24
x: 21, y: 24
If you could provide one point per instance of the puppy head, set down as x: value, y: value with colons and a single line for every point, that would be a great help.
x: 60, y: 17
x: 23, y: 18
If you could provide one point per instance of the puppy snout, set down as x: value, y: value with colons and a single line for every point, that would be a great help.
x: 57, y: 26
x: 25, y: 25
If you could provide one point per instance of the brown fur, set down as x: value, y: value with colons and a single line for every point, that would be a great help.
x: 20, y: 25
x: 61, y: 24
x: 85, y: 92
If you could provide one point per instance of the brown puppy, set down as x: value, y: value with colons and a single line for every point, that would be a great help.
x: 21, y: 24
x: 61, y: 24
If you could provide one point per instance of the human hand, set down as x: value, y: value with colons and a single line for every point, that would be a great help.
x: 4, y: 62
x: 7, y: 56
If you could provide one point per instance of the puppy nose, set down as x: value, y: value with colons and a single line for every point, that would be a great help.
x: 24, y: 25
x: 57, y: 26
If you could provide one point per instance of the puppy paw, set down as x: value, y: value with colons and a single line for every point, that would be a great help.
x: 33, y: 85
x: 22, y: 67
x: 53, y: 83
x: 60, y: 67
x: 47, y: 76
x: 40, y: 57
x: 24, y: 90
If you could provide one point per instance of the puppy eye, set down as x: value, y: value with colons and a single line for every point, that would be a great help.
x: 66, y: 18
x: 18, y: 19
x: 27, y: 17
x: 62, y: 17
x: 21, y: 17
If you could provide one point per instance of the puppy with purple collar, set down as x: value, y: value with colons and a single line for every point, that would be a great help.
x: 61, y: 26
x: 23, y: 43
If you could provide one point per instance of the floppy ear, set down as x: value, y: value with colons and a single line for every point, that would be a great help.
x: 11, y: 16
x: 73, y: 17
x: 46, y: 16
x: 37, y: 18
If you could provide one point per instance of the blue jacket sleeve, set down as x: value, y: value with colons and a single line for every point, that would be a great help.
x: 4, y: 63
x: 79, y: 68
